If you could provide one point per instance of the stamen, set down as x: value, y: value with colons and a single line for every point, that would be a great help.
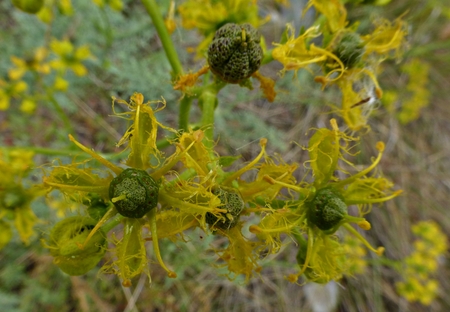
x: 172, y: 161
x: 380, y: 147
x: 103, y: 161
x: 153, y: 229
x: 374, y: 200
x: 108, y: 215
x: 250, y: 165
x: 289, y: 186
x: 379, y: 251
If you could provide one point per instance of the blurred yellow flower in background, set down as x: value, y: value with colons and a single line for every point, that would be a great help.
x: 69, y: 57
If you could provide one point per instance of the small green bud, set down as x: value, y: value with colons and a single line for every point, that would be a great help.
x: 134, y: 193
x: 327, y: 209
x: 349, y: 49
x: 235, y: 53
x: 97, y: 206
x: 66, y: 245
x: 233, y: 203
x: 28, y: 6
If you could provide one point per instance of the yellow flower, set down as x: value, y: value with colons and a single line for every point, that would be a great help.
x: 9, y: 90
x: 422, y: 263
x: 60, y: 84
x: 193, y: 200
x: 207, y: 16
x: 346, y: 57
x: 388, y: 37
x: 114, y: 4
x: 69, y: 57
x: 34, y: 64
x: 333, y: 10
x: 46, y: 15
x: 28, y: 106
x: 320, y: 208
x: 15, y: 198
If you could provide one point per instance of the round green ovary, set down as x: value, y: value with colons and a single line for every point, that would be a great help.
x: 235, y: 53
x: 327, y: 209
x: 350, y: 49
x: 233, y: 203
x: 134, y: 193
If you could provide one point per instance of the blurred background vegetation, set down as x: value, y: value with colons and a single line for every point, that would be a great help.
x: 126, y: 56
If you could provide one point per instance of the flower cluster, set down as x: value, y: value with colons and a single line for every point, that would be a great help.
x: 15, y: 197
x: 419, y: 266
x: 407, y: 105
x: 42, y: 69
x: 152, y: 201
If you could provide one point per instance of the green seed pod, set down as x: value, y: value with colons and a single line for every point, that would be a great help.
x: 349, y: 49
x: 28, y: 6
x: 327, y: 209
x: 235, y: 53
x: 233, y: 203
x: 134, y: 193
x: 66, y: 245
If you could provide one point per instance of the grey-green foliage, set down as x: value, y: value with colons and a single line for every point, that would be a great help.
x: 240, y: 127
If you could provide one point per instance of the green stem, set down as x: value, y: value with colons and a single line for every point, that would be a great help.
x: 185, y: 108
x: 158, y: 22
x: 267, y: 57
x: 61, y: 152
x: 208, y: 103
x: 112, y: 224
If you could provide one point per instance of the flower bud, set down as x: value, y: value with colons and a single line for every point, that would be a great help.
x: 29, y: 6
x: 67, y: 244
x: 134, y: 193
x: 327, y: 209
x: 349, y: 49
x: 233, y: 203
x: 235, y: 53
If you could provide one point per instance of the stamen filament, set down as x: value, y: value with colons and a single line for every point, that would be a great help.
x: 152, y: 218
x: 379, y: 251
x: 157, y: 174
x: 103, y: 161
x: 374, y: 200
x: 90, y: 188
x: 380, y: 147
x: 289, y: 186
x: 108, y: 215
x: 250, y: 165
x: 163, y: 196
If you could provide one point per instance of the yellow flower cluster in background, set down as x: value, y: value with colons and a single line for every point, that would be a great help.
x: 33, y: 70
x: 15, y: 197
x: 422, y: 263
x: 415, y: 96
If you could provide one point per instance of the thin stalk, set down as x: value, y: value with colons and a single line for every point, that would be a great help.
x: 183, y: 117
x: 61, y: 152
x: 153, y: 10
x: 208, y: 100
